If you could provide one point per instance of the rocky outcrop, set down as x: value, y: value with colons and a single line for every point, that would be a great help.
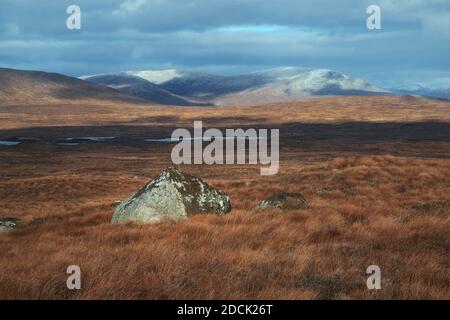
x: 7, y: 224
x: 172, y: 195
x: 285, y: 201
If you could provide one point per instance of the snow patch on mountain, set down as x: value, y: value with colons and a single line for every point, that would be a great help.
x: 158, y: 76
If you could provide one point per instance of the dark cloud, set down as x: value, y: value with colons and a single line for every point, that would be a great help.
x: 230, y: 36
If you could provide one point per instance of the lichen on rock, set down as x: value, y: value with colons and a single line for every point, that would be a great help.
x: 173, y: 195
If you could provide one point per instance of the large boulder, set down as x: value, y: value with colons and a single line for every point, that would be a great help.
x: 284, y: 201
x: 173, y: 195
x: 7, y: 224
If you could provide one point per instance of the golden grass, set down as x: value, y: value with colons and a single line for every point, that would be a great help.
x: 384, y: 203
x: 326, y: 110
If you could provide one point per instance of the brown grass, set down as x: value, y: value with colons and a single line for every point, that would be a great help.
x: 383, y: 202
x: 326, y: 110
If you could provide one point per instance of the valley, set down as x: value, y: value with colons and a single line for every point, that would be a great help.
x: 375, y: 171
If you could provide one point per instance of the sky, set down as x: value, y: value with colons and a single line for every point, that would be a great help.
x: 412, y: 48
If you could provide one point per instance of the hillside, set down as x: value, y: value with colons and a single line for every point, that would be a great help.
x: 20, y: 86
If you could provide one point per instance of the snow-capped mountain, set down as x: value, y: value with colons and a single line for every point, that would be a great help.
x: 292, y: 83
x: 199, y: 85
x: 265, y: 86
x: 437, y: 93
x: 419, y: 90
x: 139, y: 87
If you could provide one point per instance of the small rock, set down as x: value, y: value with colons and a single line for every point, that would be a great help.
x: 7, y: 224
x: 285, y: 201
x: 322, y: 191
x: 172, y: 195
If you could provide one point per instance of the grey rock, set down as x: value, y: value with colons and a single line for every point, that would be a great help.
x: 172, y: 195
x: 7, y: 224
x: 285, y: 201
x: 323, y: 190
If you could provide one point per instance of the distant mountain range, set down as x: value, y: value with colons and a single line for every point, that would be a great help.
x: 266, y: 86
x: 189, y: 88
x: 437, y: 93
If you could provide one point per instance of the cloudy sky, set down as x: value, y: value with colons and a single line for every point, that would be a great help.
x: 232, y: 36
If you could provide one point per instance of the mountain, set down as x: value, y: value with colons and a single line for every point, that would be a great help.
x: 19, y: 86
x: 200, y: 85
x: 443, y: 93
x: 141, y: 88
x: 266, y: 86
x: 187, y: 88
x: 282, y: 84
